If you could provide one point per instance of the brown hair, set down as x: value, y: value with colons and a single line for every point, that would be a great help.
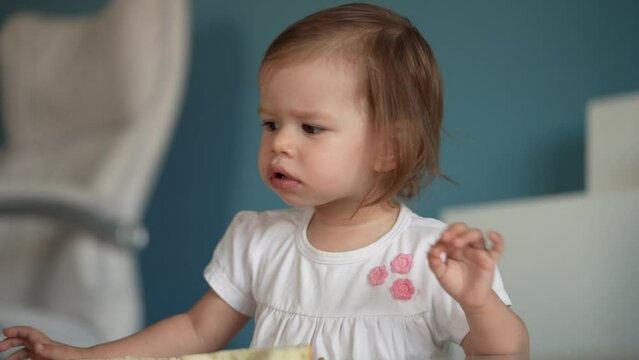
x: 401, y: 85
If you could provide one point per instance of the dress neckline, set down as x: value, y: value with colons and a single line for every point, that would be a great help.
x: 346, y: 257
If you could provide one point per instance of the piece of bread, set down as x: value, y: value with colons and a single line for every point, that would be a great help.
x: 280, y: 353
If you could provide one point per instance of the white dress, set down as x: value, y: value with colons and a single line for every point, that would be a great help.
x: 377, y: 302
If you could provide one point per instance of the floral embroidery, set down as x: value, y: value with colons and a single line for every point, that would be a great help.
x: 402, y: 263
x: 402, y: 289
x: 377, y: 275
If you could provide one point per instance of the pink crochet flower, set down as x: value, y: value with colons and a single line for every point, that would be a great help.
x: 402, y: 263
x: 402, y: 289
x: 377, y: 275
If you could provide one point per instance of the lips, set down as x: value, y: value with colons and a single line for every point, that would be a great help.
x: 280, y: 179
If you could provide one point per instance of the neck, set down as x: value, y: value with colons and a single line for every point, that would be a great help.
x: 353, y: 215
x: 345, y: 228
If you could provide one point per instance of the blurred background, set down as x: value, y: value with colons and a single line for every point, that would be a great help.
x: 517, y: 77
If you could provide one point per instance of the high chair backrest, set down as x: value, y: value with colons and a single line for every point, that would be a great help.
x: 89, y: 105
x: 110, y: 83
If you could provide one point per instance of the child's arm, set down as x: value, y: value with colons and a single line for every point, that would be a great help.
x: 467, y: 275
x: 206, y: 327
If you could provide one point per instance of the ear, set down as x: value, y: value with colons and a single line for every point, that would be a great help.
x: 385, y: 161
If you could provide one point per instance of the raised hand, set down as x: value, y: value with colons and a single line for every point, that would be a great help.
x: 468, y: 269
x: 35, y: 345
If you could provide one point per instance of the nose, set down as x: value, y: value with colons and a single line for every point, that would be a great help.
x: 283, y: 142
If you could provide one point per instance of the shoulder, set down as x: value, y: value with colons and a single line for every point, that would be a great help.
x: 424, y: 228
x: 251, y: 232
x: 258, y: 224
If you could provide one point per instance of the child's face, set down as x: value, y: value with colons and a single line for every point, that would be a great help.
x: 315, y: 148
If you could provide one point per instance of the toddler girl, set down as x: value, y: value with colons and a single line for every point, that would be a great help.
x: 351, y: 105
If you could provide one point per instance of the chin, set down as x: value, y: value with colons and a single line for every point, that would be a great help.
x: 296, y: 201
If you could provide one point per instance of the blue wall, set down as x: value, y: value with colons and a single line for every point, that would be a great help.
x: 517, y: 76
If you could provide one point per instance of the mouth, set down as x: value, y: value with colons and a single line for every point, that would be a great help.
x: 279, y: 175
x: 278, y: 172
x: 282, y: 180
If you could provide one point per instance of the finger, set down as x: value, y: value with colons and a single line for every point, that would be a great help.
x: 13, y: 331
x: 9, y: 343
x: 453, y: 252
x: 20, y: 355
x: 435, y: 262
x: 25, y: 332
x: 10, y: 331
x: 467, y: 247
x: 497, y: 248
x: 481, y: 259
x: 452, y: 231
x: 450, y: 250
x: 469, y: 237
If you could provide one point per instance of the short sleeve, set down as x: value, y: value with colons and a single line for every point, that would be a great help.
x: 449, y: 317
x: 228, y: 272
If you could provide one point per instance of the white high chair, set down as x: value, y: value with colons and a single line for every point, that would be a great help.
x: 89, y: 104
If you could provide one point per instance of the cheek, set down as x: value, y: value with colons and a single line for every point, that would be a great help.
x: 262, y: 158
x: 360, y: 157
x: 344, y: 161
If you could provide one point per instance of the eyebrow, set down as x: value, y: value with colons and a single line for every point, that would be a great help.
x: 299, y: 113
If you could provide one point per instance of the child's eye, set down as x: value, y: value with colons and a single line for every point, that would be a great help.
x: 269, y: 126
x: 310, y: 129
